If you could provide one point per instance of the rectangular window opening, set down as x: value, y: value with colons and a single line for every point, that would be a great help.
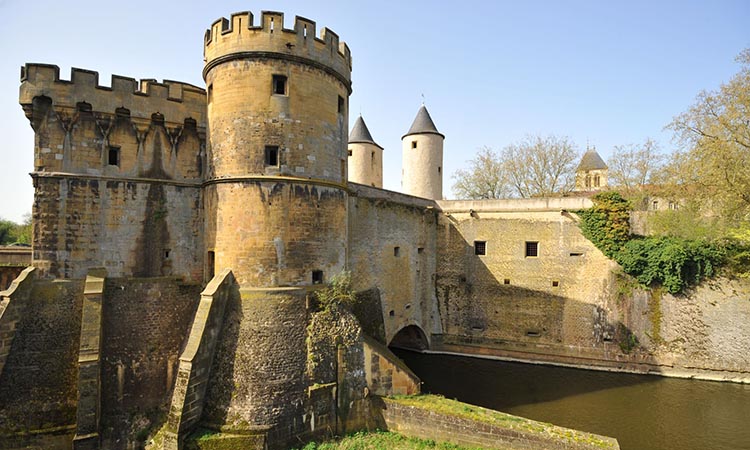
x: 113, y: 157
x: 420, y: 250
x: 555, y: 283
x: 413, y: 144
x: 272, y: 155
x: 531, y: 333
x: 576, y: 254
x: 341, y: 105
x: 506, y: 281
x: 210, y: 264
x: 317, y: 277
x: 396, y: 251
x: 532, y: 249
x: 480, y: 247
x: 350, y: 152
x: 279, y: 84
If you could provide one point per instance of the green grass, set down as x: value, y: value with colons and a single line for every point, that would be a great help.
x: 381, y: 440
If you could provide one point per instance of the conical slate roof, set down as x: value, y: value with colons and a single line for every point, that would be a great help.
x: 591, y: 161
x: 423, y: 124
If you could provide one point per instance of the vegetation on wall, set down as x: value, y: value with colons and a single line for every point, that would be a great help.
x: 669, y: 261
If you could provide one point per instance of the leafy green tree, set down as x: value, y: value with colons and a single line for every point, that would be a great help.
x: 714, y: 164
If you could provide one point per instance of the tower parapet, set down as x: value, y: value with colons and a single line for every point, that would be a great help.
x: 238, y: 38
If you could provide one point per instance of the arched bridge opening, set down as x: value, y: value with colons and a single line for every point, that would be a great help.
x: 410, y: 337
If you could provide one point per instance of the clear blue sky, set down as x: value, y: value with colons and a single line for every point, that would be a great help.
x: 606, y: 72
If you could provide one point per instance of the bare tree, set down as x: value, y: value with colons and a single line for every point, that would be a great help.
x: 485, y: 178
x: 633, y: 166
x: 541, y: 166
x: 537, y: 166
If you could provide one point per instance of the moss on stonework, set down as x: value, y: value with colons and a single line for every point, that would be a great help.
x: 655, y: 315
x: 206, y: 439
x: 455, y: 408
x: 382, y: 440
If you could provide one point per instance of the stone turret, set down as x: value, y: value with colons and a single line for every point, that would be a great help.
x: 277, y: 110
x: 591, y: 174
x: 365, y: 156
x: 276, y: 209
x: 422, y: 145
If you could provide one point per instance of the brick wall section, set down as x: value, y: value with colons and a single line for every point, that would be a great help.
x: 38, y: 384
x: 89, y: 363
x: 385, y: 373
x: 145, y: 321
x: 392, y: 246
x: 439, y: 426
x: 8, y: 274
x: 197, y: 357
x: 12, y: 302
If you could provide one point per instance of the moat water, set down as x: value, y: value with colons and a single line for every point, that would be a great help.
x: 644, y: 412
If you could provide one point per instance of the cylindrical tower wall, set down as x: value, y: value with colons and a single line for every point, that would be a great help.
x: 366, y: 164
x: 275, y: 194
x: 422, y: 165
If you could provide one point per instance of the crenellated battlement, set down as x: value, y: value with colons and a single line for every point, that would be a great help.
x: 175, y: 100
x: 238, y: 35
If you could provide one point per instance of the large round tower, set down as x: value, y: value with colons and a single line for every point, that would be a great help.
x: 275, y: 204
x: 365, y: 156
x: 275, y: 195
x: 422, y: 166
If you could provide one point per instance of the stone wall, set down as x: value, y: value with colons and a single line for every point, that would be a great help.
x: 38, y: 383
x: 117, y: 174
x: 386, y: 374
x: 145, y: 321
x: 196, y: 359
x: 472, y: 426
x: 523, y: 277
x: 393, y: 247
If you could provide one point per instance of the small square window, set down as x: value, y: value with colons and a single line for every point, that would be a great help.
x: 350, y: 152
x: 506, y: 281
x: 272, y: 155
x: 480, y: 247
x: 317, y: 277
x: 413, y: 144
x: 532, y: 249
x: 396, y: 251
x: 113, y: 157
x: 555, y: 283
x: 420, y: 250
x: 279, y: 84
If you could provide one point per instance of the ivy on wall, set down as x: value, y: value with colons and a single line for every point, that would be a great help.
x: 672, y: 262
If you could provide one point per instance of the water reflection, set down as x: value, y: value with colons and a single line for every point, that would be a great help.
x: 643, y: 412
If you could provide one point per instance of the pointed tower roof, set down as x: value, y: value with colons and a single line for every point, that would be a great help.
x: 591, y: 161
x: 423, y: 124
x: 360, y: 134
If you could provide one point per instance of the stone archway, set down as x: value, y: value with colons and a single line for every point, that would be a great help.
x: 410, y: 337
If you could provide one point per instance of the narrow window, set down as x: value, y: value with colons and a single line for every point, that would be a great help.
x: 279, y: 84
x: 440, y: 169
x: 413, y: 144
x: 272, y: 155
x: 576, y: 254
x: 480, y: 247
x: 372, y: 158
x: 396, y: 251
x: 532, y: 333
x: 317, y: 277
x: 391, y: 313
x: 210, y: 93
x: 113, y: 157
x: 341, y: 105
x: 166, y: 254
x: 532, y: 249
x: 210, y: 264
x: 596, y: 180
x: 655, y: 205
x: 350, y: 152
